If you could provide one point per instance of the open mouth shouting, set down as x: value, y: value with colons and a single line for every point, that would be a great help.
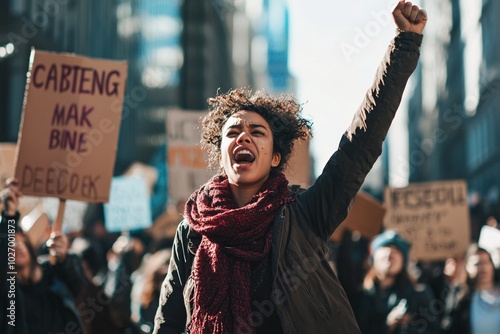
x: 243, y: 156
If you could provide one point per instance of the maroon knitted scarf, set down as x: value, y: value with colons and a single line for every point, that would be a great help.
x: 232, y: 238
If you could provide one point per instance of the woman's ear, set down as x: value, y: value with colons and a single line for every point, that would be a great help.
x: 276, y: 160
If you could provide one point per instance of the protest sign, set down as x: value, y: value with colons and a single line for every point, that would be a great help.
x: 489, y: 239
x: 298, y: 168
x: 166, y: 225
x: 36, y: 226
x: 433, y: 216
x: 366, y: 216
x: 70, y: 124
x: 147, y: 172
x: 73, y: 214
x: 7, y: 156
x: 187, y: 162
x: 7, y: 160
x: 129, y: 206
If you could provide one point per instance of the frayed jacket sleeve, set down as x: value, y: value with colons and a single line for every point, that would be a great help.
x: 171, y: 314
x: 326, y: 203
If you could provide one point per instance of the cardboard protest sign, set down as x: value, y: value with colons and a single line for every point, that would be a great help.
x: 129, y: 205
x: 7, y: 156
x: 7, y: 161
x: 165, y: 225
x: 70, y: 124
x: 433, y: 216
x: 298, y: 169
x: 366, y: 216
x: 187, y: 162
x: 36, y: 226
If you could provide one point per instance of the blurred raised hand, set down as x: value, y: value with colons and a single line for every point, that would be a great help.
x: 10, y: 197
x: 58, y: 246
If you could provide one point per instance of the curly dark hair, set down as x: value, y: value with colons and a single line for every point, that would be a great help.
x: 281, y: 112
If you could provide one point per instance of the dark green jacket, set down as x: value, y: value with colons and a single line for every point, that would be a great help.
x: 307, y: 294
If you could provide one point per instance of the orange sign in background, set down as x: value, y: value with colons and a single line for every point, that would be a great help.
x: 366, y: 217
x: 187, y: 163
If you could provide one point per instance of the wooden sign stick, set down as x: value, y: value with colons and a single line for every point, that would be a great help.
x: 57, y: 226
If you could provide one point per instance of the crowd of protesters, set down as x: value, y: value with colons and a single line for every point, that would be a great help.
x: 110, y: 283
x: 247, y: 237
x: 97, y: 282
x: 390, y: 294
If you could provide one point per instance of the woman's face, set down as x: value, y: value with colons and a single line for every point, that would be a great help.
x: 388, y: 261
x: 480, y: 268
x: 247, y: 149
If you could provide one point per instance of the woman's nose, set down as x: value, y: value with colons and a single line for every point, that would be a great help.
x: 243, y: 137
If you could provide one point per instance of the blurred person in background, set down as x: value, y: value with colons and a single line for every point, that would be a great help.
x: 485, y: 291
x: 45, y: 292
x: 453, y: 293
x: 99, y: 240
x: 146, y: 288
x: 351, y: 263
x: 390, y: 300
x: 105, y: 304
x: 123, y: 259
x: 251, y: 254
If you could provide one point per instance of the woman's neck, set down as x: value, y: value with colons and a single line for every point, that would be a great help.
x: 242, y: 194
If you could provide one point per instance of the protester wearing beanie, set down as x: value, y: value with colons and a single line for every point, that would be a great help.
x: 390, y: 301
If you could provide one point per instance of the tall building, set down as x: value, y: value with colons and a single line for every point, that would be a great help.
x: 436, y: 139
x: 205, y: 40
x: 109, y: 29
x: 179, y: 54
x: 453, y: 111
x: 483, y: 137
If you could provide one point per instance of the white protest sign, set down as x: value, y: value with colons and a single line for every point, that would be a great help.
x: 73, y: 213
x: 433, y: 216
x: 129, y: 206
x: 489, y: 239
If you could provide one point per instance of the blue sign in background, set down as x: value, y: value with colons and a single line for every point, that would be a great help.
x: 129, y: 205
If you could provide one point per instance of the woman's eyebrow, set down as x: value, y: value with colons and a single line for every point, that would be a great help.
x: 251, y: 126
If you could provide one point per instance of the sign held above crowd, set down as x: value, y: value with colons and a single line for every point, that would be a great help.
x: 433, y: 216
x: 366, y: 216
x: 129, y: 206
x: 187, y: 162
x: 70, y: 124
